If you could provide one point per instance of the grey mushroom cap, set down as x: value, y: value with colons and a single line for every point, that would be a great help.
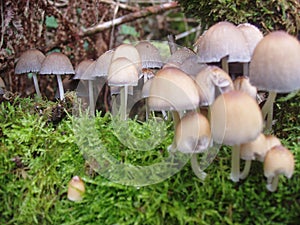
x: 275, y: 63
x: 57, y: 63
x: 221, y: 40
x: 150, y: 55
x: 81, y: 68
x: 30, y: 61
x: 252, y: 35
x: 101, y: 65
x: 179, y: 56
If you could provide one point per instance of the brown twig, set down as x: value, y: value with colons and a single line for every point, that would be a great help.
x: 151, y: 10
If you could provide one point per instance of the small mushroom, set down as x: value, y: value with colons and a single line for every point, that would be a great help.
x: 192, y: 135
x: 58, y: 64
x: 31, y: 61
x: 235, y: 119
x: 76, y: 189
x: 274, y: 67
x: 279, y: 160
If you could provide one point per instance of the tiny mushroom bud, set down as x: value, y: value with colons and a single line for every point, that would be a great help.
x: 279, y: 160
x: 76, y: 189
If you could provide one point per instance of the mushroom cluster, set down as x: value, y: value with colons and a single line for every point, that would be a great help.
x: 209, y: 105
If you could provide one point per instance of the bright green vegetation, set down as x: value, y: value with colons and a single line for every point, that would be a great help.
x: 39, y: 155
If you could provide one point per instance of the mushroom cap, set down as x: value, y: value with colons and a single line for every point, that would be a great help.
x: 193, y: 134
x: 101, y: 66
x: 130, y: 52
x: 30, y: 61
x: 81, y: 68
x: 76, y: 189
x: 122, y: 72
x: 149, y: 54
x: 57, y: 63
x: 146, y: 88
x: 179, y: 56
x: 221, y: 40
x: 252, y: 35
x: 235, y: 118
x: 192, y: 66
x: 258, y: 148
x: 208, y: 79
x: 172, y: 89
x: 279, y: 160
x: 275, y: 63
x: 242, y: 83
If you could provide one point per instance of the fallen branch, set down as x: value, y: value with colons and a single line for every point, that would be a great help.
x: 151, y: 10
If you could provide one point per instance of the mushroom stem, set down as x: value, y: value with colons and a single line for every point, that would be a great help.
x: 36, y: 84
x: 246, y: 170
x: 123, y: 105
x: 224, y: 62
x: 272, y: 183
x: 176, y: 120
x: 60, y: 87
x: 196, y: 167
x: 235, y: 163
x: 246, y: 69
x: 267, y: 109
x: 91, y: 97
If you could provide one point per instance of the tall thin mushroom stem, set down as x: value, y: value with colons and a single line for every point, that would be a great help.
x: 123, y: 105
x: 224, y: 62
x: 235, y: 163
x: 91, y: 97
x: 246, y: 169
x: 272, y: 183
x: 36, y: 84
x: 196, y: 168
x: 60, y: 87
x: 267, y: 109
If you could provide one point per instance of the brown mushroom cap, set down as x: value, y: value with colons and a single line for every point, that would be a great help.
x: 193, y: 133
x: 30, y: 61
x: 56, y: 63
x: 242, y: 83
x: 252, y: 35
x: 122, y: 72
x: 279, y: 160
x: 275, y: 63
x: 172, y: 89
x: 76, y: 189
x: 258, y: 148
x: 235, y: 118
x: 149, y: 54
x: 221, y: 40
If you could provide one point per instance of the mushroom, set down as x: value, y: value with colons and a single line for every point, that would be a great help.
x: 210, y: 78
x: 80, y: 73
x: 235, y: 119
x: 30, y: 61
x: 192, y: 135
x: 173, y: 90
x: 123, y: 73
x: 279, y: 160
x: 76, y: 189
x: 242, y: 83
x: 275, y: 68
x: 223, y: 42
x: 252, y: 35
x: 58, y: 64
x: 256, y: 150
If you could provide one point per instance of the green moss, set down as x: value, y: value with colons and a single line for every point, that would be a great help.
x: 38, y: 158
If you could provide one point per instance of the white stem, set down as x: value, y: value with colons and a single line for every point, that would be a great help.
x: 91, y: 97
x: 267, y: 109
x: 246, y: 170
x: 123, y: 98
x: 224, y: 62
x: 235, y: 163
x: 60, y: 87
x: 272, y: 183
x: 196, y: 167
x: 36, y: 84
